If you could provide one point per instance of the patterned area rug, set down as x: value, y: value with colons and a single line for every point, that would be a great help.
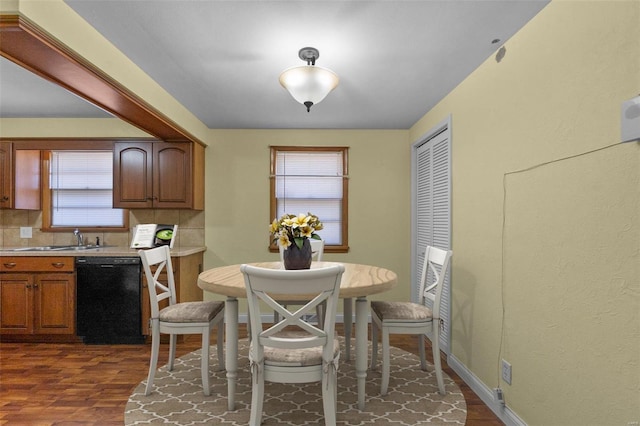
x: 413, y: 397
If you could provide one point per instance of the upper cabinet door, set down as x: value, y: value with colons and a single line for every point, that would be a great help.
x: 6, y: 175
x: 133, y: 175
x: 19, y: 178
x: 172, y: 182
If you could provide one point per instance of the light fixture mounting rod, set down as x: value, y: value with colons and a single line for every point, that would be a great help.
x: 309, y: 55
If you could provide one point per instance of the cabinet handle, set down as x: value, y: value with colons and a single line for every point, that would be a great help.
x: 28, y: 285
x: 5, y: 198
x: 35, y: 286
x: 57, y: 264
x: 10, y: 265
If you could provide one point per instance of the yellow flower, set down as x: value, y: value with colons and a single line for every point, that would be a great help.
x: 283, y: 240
x: 306, y: 231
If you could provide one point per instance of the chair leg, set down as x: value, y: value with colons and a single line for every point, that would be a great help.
x: 257, y: 396
x: 204, y: 361
x: 374, y: 344
x: 153, y: 362
x: 421, y: 351
x: 329, y: 398
x: 220, y: 344
x: 172, y: 350
x: 435, y: 344
x: 386, y: 361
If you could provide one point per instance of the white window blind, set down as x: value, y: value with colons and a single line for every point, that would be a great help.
x: 81, y: 184
x: 312, y: 181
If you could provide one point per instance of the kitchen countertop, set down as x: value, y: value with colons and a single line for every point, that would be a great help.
x: 103, y: 251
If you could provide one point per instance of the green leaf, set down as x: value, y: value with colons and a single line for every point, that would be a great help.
x: 299, y: 242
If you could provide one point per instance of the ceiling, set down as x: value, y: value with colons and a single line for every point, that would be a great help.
x: 222, y: 59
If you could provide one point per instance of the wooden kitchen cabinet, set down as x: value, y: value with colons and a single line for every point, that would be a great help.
x: 185, y: 273
x: 19, y: 178
x: 158, y: 175
x: 37, y: 296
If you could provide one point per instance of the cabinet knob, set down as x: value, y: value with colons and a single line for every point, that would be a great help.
x: 35, y: 286
x: 57, y: 264
x: 10, y: 265
x: 28, y: 285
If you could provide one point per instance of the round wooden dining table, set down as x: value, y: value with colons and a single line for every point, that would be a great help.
x: 358, y: 281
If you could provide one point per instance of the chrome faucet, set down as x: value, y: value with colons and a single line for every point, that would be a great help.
x: 78, y: 235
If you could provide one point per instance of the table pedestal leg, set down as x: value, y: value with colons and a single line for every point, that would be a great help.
x: 348, y: 323
x: 361, y: 348
x: 231, y: 358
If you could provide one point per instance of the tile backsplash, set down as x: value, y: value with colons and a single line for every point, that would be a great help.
x: 190, y: 228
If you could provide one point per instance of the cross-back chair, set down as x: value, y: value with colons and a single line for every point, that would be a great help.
x: 293, y: 350
x: 178, y: 318
x: 413, y: 318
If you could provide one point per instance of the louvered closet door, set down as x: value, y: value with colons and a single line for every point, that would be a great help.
x: 433, y: 215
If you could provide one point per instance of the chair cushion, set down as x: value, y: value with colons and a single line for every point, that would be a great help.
x: 296, y: 357
x: 191, y: 311
x: 401, y: 311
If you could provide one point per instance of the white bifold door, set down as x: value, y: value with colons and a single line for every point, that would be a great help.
x: 431, y: 219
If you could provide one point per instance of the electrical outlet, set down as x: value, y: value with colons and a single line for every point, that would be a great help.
x: 506, y: 372
x: 26, y: 232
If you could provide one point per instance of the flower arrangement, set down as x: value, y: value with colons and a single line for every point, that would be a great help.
x: 292, y: 228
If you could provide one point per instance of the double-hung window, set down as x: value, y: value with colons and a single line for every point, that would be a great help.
x: 313, y: 180
x: 80, y: 190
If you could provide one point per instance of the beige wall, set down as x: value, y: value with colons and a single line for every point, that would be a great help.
x: 237, y: 196
x: 566, y: 268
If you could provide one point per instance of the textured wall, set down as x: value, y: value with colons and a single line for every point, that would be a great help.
x: 566, y: 267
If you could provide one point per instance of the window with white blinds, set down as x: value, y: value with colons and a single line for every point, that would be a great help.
x: 81, y: 185
x: 312, y: 180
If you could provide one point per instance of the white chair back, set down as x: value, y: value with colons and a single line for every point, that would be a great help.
x: 266, y: 285
x: 160, y: 257
x: 434, y: 271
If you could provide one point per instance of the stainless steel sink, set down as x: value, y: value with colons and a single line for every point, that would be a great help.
x: 58, y: 248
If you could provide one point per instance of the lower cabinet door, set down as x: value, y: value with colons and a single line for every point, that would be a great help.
x: 16, y: 303
x: 54, y: 298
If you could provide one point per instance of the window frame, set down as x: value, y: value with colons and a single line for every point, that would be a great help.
x: 273, y: 203
x: 47, y: 201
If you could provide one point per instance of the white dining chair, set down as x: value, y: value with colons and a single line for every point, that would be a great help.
x: 413, y: 318
x: 178, y: 318
x: 293, y: 350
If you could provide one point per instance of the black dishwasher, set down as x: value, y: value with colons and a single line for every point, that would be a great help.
x: 108, y: 303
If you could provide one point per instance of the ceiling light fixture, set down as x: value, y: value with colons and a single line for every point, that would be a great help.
x: 309, y: 84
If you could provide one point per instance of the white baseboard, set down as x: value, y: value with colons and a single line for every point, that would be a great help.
x: 485, y: 393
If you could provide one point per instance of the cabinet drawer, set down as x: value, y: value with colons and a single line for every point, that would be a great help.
x: 37, y: 264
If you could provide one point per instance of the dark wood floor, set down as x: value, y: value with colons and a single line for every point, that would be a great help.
x: 77, y: 384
